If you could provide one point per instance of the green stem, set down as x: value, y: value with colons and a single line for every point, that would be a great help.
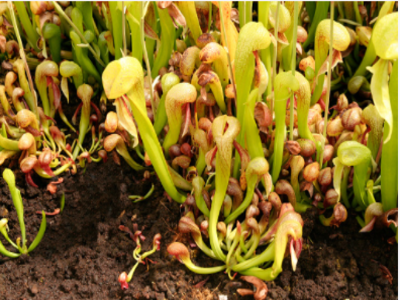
x: 253, y: 140
x: 188, y: 10
x: 280, y: 130
x: 8, y: 144
x: 389, y: 167
x: 167, y: 42
x: 267, y: 255
x: 31, y: 34
x: 40, y: 234
x: 327, y: 96
x: 133, y: 15
x: 9, y: 177
x: 198, y: 185
x: 61, y: 12
x: 83, y: 59
x: 152, y: 146
x: 199, y: 270
x: 116, y: 16
x: 293, y: 65
x: 343, y: 186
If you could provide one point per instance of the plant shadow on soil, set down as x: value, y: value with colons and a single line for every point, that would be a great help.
x: 83, y: 252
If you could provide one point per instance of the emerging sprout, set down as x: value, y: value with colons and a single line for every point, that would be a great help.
x: 339, y: 215
x: 9, y: 177
x: 187, y: 225
x: 181, y: 253
x: 115, y: 141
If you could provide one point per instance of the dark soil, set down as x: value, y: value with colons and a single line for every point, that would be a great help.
x: 83, y: 252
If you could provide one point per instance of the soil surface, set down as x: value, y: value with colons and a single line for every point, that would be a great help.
x: 83, y: 251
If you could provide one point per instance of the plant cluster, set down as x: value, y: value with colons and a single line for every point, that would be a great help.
x: 246, y: 123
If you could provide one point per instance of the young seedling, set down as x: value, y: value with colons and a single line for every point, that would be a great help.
x: 181, y: 253
x: 9, y: 177
x: 124, y: 278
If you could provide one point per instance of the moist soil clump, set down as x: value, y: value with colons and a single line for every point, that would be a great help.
x: 83, y: 251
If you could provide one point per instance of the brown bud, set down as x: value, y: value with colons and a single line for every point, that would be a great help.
x: 334, y: 127
x: 325, y: 177
x: 181, y: 161
x: 317, y: 197
x: 111, y: 122
x: 311, y: 172
x: 284, y: 172
x: 204, y: 227
x: 319, y: 126
x: 103, y: 155
x: 186, y: 149
x: 331, y: 198
x: 351, y: 118
x: 174, y: 151
x: 307, y: 147
x: 328, y: 153
x: 293, y: 147
x: 28, y: 163
x: 340, y: 214
x: 45, y: 157
x: 342, y: 102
